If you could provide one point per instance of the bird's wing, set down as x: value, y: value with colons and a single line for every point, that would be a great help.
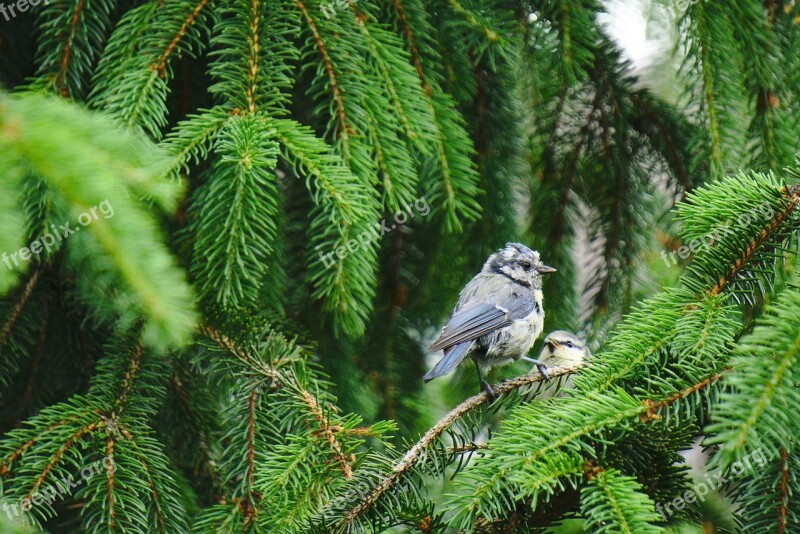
x: 452, y: 357
x: 473, y: 321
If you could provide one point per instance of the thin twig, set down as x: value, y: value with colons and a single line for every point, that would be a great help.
x: 783, y: 511
x: 330, y: 435
x: 286, y: 379
x: 161, y: 64
x: 416, y: 453
x: 343, y: 128
x: 763, y: 236
x: 17, y: 309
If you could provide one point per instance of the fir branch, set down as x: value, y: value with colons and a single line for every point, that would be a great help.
x: 131, y: 82
x: 409, y: 35
x: 127, y: 382
x: 454, y: 186
x: 538, y: 436
x: 110, y: 499
x: 753, y: 413
x: 714, y: 57
x: 252, y: 59
x: 63, y: 65
x: 285, y: 379
x: 189, y: 142
x: 229, y: 346
x: 343, y: 198
x: 613, y: 502
x: 57, y: 456
x: 234, y: 244
x: 121, y: 252
x: 709, y: 95
x: 20, y: 304
x: 330, y: 436
x: 71, y: 40
x: 5, y: 465
x: 784, y: 491
x: 416, y: 453
x: 344, y: 129
x: 792, y: 197
x: 161, y: 63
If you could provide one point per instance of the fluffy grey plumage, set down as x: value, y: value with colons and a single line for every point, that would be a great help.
x: 498, y: 315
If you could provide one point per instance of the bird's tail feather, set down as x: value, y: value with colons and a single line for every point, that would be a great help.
x: 452, y: 357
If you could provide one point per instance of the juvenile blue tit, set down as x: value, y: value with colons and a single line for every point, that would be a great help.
x: 498, y: 315
x: 563, y: 349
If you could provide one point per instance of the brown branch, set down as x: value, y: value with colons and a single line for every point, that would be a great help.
x: 150, y: 483
x: 102, y: 421
x: 20, y: 305
x: 763, y: 236
x: 783, y: 510
x: 127, y: 380
x: 415, y: 58
x: 252, y: 60
x: 35, y: 364
x: 330, y: 435
x: 226, y: 343
x: 417, y: 453
x: 650, y: 413
x: 161, y: 64
x: 328, y: 430
x: 112, y: 513
x: 64, y: 63
x: 60, y: 452
x: 251, y: 437
x: 4, y: 466
x: 467, y: 447
x: 344, y: 127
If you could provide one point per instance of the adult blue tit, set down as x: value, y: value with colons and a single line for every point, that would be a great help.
x: 498, y: 315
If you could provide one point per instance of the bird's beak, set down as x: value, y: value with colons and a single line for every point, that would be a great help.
x: 544, y: 269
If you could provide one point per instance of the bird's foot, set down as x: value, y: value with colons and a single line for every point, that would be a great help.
x: 539, y: 365
x: 489, y: 391
x: 543, y: 371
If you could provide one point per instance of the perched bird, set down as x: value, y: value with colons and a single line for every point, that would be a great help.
x: 562, y: 349
x: 498, y: 315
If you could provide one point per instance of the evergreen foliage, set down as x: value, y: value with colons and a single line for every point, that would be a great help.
x: 273, y: 205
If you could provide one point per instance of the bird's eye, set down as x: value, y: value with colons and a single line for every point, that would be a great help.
x: 526, y: 265
x: 569, y: 344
